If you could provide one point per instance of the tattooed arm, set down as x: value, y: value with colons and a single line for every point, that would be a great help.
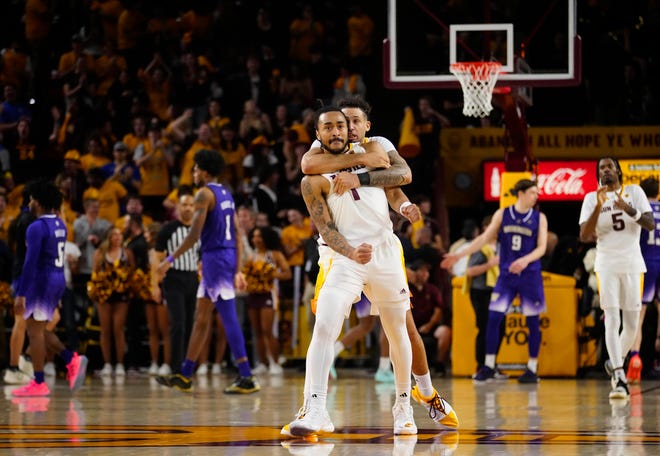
x: 204, y: 199
x: 314, y: 191
x: 396, y: 175
x: 314, y: 161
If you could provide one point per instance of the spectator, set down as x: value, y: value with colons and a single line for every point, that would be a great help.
x: 216, y: 121
x: 137, y: 136
x: 121, y: 170
x: 254, y: 123
x: 25, y: 156
x: 110, y: 194
x: 430, y: 313
x: 264, y: 196
x: 260, y: 157
x: 133, y: 207
x: 305, y: 32
x: 203, y: 141
x: 155, y: 160
x: 156, y: 80
x: 233, y: 152
x: 95, y: 156
x: 75, y: 178
x: 11, y: 110
x: 108, y: 67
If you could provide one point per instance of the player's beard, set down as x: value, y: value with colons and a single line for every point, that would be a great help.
x: 334, y: 147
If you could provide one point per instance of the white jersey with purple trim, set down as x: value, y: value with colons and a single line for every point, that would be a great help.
x: 617, y: 247
x: 360, y: 214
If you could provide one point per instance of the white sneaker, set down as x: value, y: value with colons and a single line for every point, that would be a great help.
x: 25, y: 365
x: 120, y: 371
x: 314, y: 420
x: 203, y: 369
x: 165, y: 369
x: 285, y: 431
x: 216, y: 369
x: 106, y: 371
x: 281, y: 360
x: 275, y: 369
x: 260, y: 369
x: 49, y: 369
x: 153, y: 369
x: 404, y: 423
x: 16, y: 377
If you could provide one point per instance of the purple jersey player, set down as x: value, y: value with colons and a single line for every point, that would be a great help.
x: 522, y: 232
x: 214, y: 224
x: 40, y: 287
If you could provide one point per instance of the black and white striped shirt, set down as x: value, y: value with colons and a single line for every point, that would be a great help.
x: 170, y: 237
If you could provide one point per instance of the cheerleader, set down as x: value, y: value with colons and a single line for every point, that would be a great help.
x: 263, y: 268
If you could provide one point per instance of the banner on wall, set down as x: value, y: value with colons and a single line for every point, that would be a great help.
x: 558, y: 180
x: 464, y: 151
x: 635, y: 171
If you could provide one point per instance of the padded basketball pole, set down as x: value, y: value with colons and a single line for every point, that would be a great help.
x: 518, y: 156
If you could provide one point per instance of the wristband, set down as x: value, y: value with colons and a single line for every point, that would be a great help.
x: 404, y: 205
x: 364, y: 179
x: 170, y: 259
x: 637, y: 215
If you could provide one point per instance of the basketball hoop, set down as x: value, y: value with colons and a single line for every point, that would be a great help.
x: 478, y: 81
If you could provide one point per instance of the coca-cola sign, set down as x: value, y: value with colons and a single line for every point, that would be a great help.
x: 558, y: 180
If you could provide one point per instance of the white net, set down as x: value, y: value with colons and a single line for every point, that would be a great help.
x: 478, y: 81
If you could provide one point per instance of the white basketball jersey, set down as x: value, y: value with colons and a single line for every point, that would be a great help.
x: 617, y: 247
x: 361, y: 214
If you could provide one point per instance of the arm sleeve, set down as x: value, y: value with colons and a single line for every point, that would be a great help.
x: 33, y: 239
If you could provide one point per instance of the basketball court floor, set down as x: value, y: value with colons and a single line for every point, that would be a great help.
x: 138, y: 416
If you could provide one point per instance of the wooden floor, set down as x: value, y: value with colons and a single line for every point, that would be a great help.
x: 137, y: 416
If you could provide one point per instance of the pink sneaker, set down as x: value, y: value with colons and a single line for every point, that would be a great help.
x: 76, y: 371
x: 32, y: 389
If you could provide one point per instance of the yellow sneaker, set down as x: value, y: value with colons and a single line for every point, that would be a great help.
x: 439, y: 409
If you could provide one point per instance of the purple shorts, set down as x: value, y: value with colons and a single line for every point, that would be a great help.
x: 218, y: 270
x: 43, y: 298
x: 363, y: 307
x: 529, y: 286
x: 651, y: 282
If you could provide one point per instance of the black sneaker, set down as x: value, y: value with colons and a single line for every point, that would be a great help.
x: 528, y: 377
x: 177, y: 381
x: 484, y: 374
x: 243, y: 385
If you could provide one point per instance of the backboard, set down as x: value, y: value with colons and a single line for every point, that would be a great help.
x: 536, y: 41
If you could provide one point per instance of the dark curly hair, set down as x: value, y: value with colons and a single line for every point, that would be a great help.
x: 46, y: 194
x: 209, y: 161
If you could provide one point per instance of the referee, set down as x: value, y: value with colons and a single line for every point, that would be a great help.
x: 180, y: 282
